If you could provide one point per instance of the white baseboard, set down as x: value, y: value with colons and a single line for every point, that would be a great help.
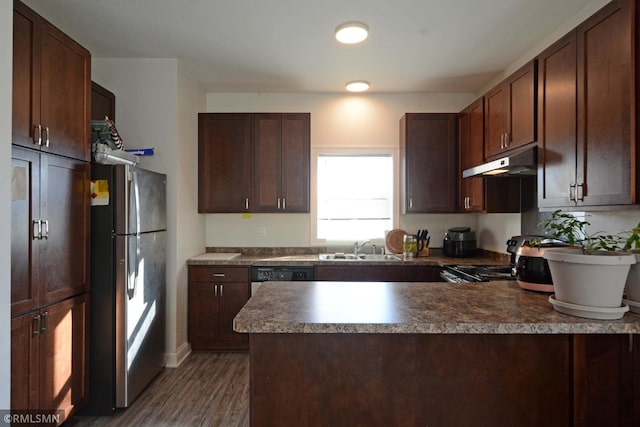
x: 173, y: 360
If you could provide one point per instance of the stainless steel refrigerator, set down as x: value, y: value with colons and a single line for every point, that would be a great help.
x: 128, y: 284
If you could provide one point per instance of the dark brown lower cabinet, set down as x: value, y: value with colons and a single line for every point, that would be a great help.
x: 216, y: 295
x: 443, y: 380
x: 49, y: 357
x: 379, y: 273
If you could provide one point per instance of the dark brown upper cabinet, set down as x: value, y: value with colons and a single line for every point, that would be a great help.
x: 428, y: 163
x: 482, y: 194
x: 253, y: 162
x: 103, y: 103
x: 587, y: 107
x: 281, y: 162
x: 510, y: 112
x: 51, y: 88
x: 471, y: 136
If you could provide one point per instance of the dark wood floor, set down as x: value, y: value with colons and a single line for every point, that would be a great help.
x: 208, y: 389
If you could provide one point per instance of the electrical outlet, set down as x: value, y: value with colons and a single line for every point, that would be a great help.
x: 262, y: 231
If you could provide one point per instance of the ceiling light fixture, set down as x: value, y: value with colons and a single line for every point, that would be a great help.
x: 352, y: 32
x: 357, y: 86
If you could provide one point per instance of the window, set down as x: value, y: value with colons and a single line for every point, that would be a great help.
x: 354, y: 196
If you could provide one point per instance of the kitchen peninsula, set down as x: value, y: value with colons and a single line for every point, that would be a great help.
x: 416, y: 354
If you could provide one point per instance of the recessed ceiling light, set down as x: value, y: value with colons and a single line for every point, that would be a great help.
x: 357, y: 86
x: 351, y: 32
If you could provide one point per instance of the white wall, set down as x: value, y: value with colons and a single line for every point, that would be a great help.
x: 527, y: 56
x: 337, y: 120
x: 190, y: 239
x: 156, y: 105
x: 6, y: 70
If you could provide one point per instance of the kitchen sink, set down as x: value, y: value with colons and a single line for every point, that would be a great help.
x: 360, y: 257
x: 380, y: 257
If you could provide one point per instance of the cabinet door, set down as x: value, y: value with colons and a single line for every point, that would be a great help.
x: 232, y: 297
x: 25, y: 244
x: 349, y: 273
x: 521, y: 108
x: 65, y: 203
x: 602, y: 380
x: 296, y: 154
x: 25, y: 352
x: 471, y: 131
x: 103, y: 103
x: 510, y: 113
x: 281, y: 162
x: 65, y: 95
x: 51, y: 87
x: 495, y: 120
x: 605, y: 172
x: 224, y: 162
x: 267, y: 163
x: 63, y: 360
x: 428, y: 149
x: 26, y: 74
x: 203, y: 315
x: 557, y: 99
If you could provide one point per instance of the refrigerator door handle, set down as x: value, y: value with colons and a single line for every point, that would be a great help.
x: 131, y: 285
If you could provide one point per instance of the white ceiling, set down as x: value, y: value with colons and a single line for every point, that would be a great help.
x: 289, y: 45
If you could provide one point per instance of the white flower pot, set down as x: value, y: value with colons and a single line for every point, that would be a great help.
x: 596, y: 280
x: 632, y: 287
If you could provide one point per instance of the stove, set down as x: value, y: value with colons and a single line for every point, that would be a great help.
x: 476, y: 273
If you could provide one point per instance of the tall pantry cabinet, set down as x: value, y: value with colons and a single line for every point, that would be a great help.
x: 50, y: 208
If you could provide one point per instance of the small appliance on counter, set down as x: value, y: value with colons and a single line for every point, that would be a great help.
x: 528, y: 265
x: 459, y: 242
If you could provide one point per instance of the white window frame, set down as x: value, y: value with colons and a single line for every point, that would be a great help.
x: 361, y: 151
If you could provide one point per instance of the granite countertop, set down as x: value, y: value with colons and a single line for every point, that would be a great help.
x: 239, y: 259
x: 500, y: 307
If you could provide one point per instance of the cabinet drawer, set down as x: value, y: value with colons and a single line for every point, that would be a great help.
x: 219, y: 274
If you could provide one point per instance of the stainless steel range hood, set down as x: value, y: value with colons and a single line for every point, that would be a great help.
x: 521, y: 162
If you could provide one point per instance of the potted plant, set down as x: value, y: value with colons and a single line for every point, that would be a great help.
x: 589, y: 281
x: 632, y: 287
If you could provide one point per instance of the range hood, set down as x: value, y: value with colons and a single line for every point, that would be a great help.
x: 520, y: 162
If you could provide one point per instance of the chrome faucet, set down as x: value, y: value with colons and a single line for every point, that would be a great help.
x: 357, y: 247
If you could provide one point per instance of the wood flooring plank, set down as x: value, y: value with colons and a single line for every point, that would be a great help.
x: 208, y: 389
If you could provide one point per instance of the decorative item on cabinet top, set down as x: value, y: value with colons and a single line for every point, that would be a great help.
x: 107, y: 144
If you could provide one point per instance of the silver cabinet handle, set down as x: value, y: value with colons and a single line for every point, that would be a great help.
x: 215, y: 290
x: 572, y: 192
x: 35, y: 325
x: 246, y: 203
x: 219, y: 275
x: 46, y: 141
x: 284, y: 203
x: 37, y: 229
x: 502, y: 141
x: 45, y: 235
x: 221, y: 288
x: 45, y: 323
x: 37, y: 134
x: 580, y: 192
x: 278, y: 202
x: 410, y: 203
